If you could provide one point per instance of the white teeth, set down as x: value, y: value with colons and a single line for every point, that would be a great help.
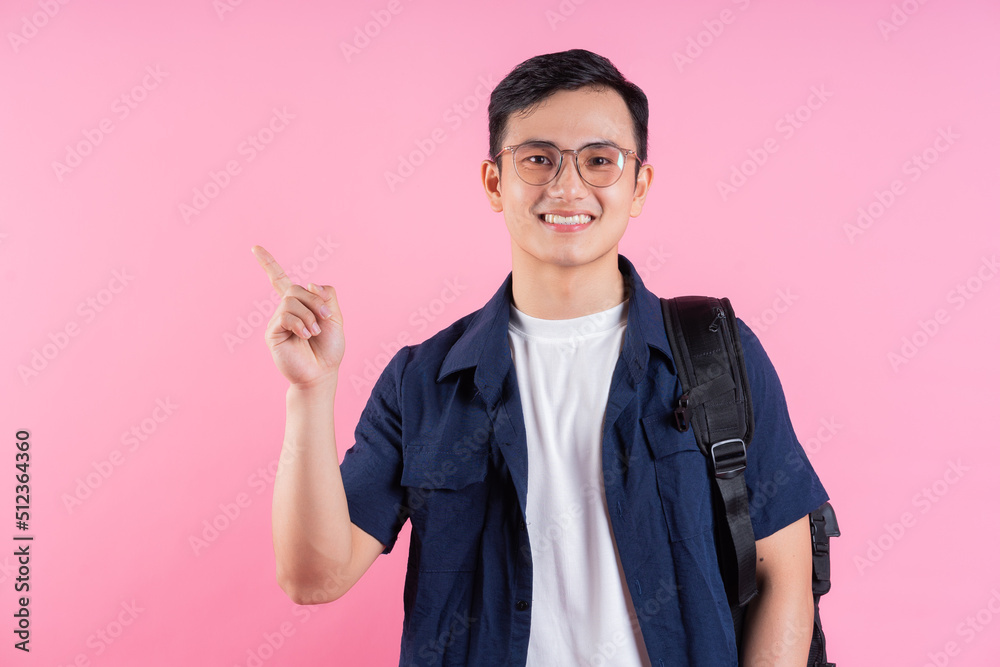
x: 572, y: 220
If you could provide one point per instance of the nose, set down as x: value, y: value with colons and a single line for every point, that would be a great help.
x: 568, y: 184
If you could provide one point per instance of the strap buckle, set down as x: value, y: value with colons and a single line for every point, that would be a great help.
x: 681, y: 419
x: 729, y: 458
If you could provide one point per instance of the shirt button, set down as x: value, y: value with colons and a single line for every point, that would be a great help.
x: 521, y: 605
x: 522, y: 524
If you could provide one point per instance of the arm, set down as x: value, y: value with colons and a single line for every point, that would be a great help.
x: 783, y: 488
x: 320, y: 553
x: 779, y: 621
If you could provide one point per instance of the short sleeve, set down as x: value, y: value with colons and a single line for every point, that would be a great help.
x: 372, y: 467
x: 782, y: 486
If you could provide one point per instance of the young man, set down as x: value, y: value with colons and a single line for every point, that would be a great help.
x: 558, y: 516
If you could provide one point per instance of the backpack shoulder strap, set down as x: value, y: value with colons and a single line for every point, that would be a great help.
x: 705, y: 342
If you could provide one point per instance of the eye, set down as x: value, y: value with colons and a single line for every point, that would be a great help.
x: 538, y: 159
x: 603, y: 157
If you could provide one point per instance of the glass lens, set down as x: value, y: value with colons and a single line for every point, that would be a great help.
x: 601, y: 164
x: 536, y: 163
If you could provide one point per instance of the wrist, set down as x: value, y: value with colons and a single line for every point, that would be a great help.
x: 323, y: 386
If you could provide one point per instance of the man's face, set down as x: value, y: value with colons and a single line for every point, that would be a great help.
x: 568, y: 119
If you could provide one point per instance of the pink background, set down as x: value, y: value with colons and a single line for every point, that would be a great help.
x: 180, y: 323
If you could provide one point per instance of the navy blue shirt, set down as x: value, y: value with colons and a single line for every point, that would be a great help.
x: 442, y: 442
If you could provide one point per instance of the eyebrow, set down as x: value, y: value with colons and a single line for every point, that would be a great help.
x: 596, y: 142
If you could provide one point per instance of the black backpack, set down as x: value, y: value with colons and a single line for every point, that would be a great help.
x: 716, y: 401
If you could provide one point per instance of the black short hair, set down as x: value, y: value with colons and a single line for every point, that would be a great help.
x: 536, y: 78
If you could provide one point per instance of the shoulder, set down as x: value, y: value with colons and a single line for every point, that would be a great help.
x: 753, y: 350
x: 761, y: 374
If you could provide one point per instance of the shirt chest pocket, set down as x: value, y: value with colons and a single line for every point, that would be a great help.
x: 682, y: 477
x: 446, y: 498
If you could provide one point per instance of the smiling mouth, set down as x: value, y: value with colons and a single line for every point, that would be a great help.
x: 553, y: 219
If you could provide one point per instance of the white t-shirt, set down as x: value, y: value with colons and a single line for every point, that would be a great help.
x: 581, y: 609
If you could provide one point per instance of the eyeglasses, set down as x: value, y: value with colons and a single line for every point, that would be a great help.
x: 539, y: 162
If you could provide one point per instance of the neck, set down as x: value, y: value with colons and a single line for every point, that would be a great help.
x: 552, y: 292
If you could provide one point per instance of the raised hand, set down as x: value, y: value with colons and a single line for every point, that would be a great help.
x: 306, y: 332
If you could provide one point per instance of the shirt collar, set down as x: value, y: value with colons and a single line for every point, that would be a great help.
x: 484, y: 342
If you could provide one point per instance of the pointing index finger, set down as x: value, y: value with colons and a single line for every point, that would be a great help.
x: 279, y: 280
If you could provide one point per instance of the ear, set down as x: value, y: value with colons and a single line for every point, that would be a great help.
x: 642, y: 183
x: 491, y: 183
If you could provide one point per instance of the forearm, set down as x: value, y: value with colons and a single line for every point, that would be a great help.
x: 778, y: 628
x: 311, y: 524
